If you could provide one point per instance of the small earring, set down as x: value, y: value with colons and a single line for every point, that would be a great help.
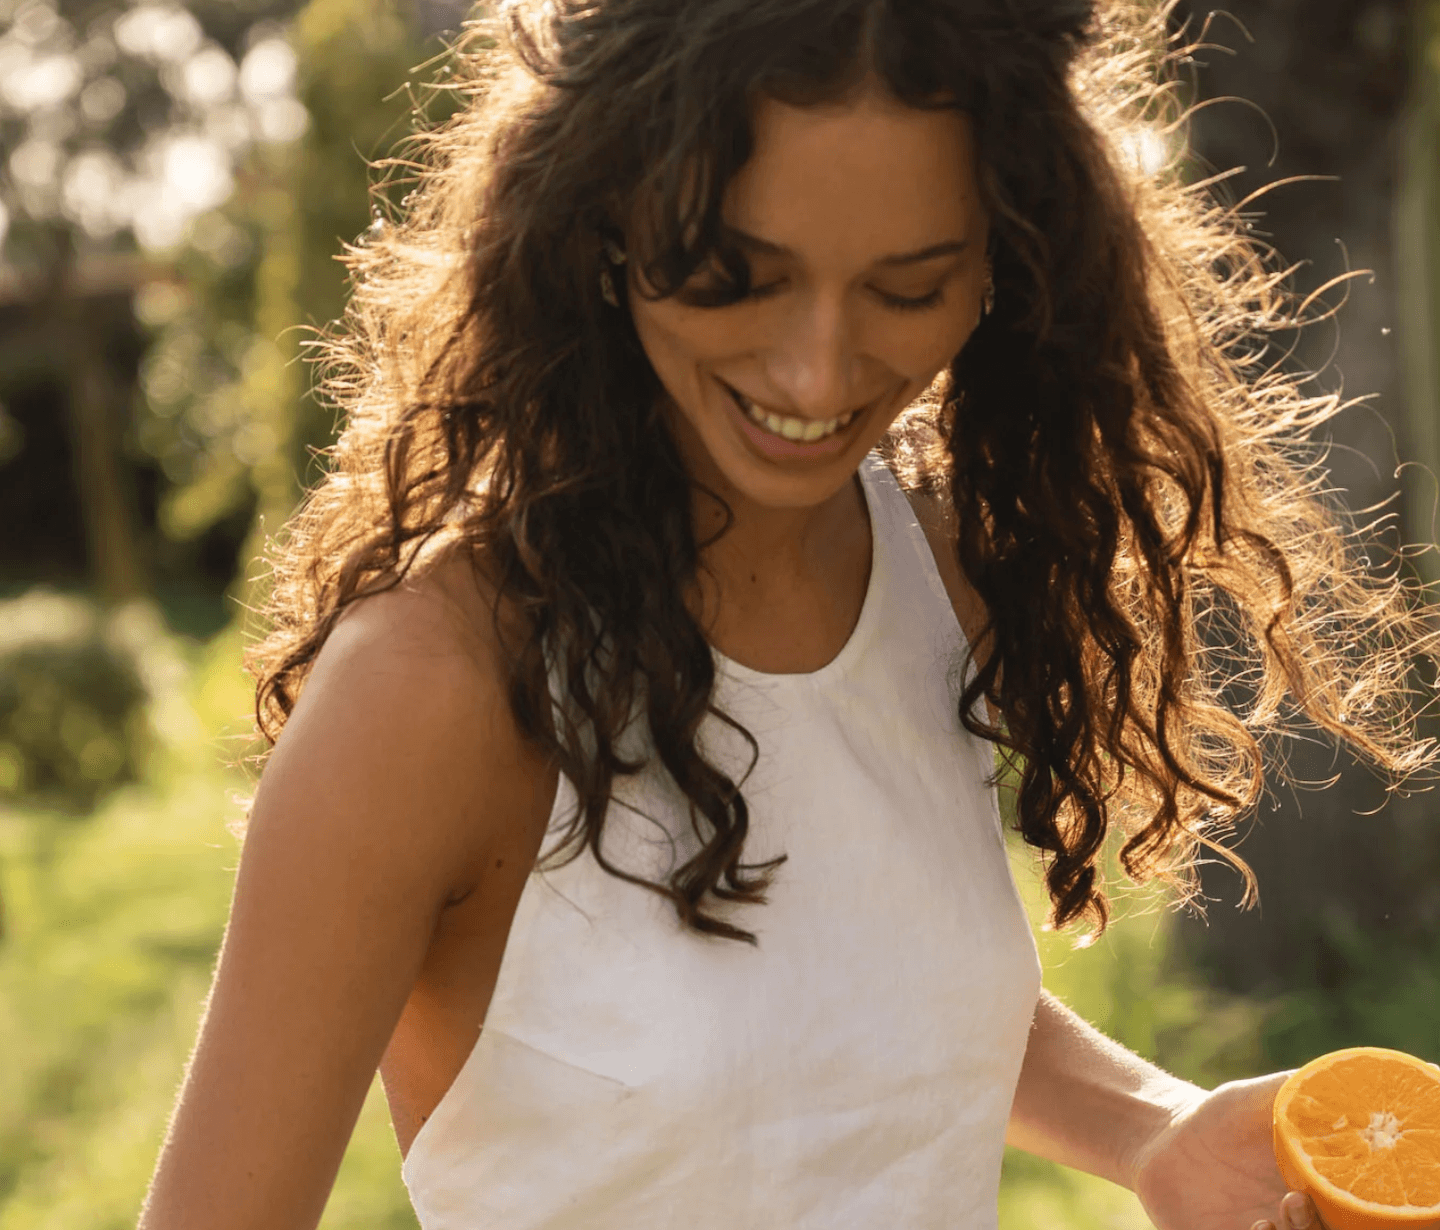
x: 987, y: 296
x: 613, y: 250
x: 615, y: 254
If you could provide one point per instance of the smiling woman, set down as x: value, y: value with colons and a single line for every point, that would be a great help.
x: 863, y: 234
x: 765, y: 410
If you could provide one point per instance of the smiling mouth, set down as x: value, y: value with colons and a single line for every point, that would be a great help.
x: 802, y: 431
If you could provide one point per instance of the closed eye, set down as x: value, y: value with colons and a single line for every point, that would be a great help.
x: 900, y: 303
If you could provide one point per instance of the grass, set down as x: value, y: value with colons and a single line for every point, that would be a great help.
x: 111, y: 926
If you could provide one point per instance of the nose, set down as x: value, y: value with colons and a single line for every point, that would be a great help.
x: 813, y: 362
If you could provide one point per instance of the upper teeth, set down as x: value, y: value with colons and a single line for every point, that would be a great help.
x: 792, y: 428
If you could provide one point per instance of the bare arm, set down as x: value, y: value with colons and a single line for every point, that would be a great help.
x: 1085, y: 1101
x: 396, y: 769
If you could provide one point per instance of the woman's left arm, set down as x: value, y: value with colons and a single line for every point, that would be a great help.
x: 1197, y: 1159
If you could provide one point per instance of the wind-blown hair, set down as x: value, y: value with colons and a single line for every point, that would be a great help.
x: 1167, y: 584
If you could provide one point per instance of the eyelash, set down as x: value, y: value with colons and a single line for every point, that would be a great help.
x: 897, y: 302
x: 901, y: 304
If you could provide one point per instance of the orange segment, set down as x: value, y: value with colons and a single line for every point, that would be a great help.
x: 1359, y: 1131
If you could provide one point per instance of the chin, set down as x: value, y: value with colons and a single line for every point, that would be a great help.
x: 780, y: 473
x: 773, y: 485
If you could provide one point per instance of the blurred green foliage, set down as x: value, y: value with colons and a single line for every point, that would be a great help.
x: 225, y: 400
x: 112, y: 932
x: 112, y: 927
x: 71, y: 702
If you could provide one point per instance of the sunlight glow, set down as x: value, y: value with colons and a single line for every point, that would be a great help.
x: 68, y: 90
x: 160, y: 33
x: 1145, y: 149
x: 268, y: 70
x: 41, y: 81
x: 92, y: 193
x: 208, y: 77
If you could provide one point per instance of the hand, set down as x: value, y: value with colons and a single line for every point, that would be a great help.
x: 1213, y: 1166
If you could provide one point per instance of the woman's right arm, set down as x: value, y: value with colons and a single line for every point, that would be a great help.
x: 376, y: 808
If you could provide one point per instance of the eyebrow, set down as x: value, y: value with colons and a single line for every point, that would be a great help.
x: 936, y: 250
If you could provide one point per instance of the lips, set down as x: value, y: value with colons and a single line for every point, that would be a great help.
x: 754, y: 427
x: 792, y: 429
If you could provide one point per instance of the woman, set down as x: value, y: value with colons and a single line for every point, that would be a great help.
x: 609, y: 555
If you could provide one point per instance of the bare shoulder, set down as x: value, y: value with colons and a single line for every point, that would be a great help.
x: 408, y: 701
x: 440, y: 622
x: 398, y: 774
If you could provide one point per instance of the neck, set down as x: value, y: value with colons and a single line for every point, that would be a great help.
x: 775, y: 542
x: 770, y: 559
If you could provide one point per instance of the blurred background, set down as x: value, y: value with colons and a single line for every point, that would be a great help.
x: 175, y: 183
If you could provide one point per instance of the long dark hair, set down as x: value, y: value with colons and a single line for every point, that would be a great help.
x: 1134, y: 504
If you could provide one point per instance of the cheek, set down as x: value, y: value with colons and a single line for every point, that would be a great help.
x: 688, y: 346
x: 667, y: 336
x: 675, y: 338
x: 919, y: 345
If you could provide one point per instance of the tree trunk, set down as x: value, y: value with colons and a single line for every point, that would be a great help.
x: 1417, y: 238
x: 96, y: 422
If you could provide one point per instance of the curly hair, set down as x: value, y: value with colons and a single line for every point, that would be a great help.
x: 1167, y: 580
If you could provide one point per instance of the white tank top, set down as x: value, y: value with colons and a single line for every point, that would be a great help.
x: 854, y: 1071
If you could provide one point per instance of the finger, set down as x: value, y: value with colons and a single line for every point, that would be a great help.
x: 1263, y: 1225
x: 1297, y: 1212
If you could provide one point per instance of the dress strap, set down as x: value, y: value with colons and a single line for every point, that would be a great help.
x: 908, y: 547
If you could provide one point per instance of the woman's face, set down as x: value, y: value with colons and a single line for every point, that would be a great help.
x: 865, y: 235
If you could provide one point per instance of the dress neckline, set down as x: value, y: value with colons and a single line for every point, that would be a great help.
x: 855, y: 643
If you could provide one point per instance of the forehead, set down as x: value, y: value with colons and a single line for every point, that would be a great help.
x: 865, y: 177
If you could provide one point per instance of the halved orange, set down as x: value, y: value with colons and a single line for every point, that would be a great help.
x: 1358, y: 1131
